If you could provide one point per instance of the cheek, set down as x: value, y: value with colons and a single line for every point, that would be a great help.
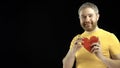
x: 94, y: 20
x: 81, y: 21
x: 82, y: 24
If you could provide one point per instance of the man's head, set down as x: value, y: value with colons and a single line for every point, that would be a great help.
x: 89, y: 15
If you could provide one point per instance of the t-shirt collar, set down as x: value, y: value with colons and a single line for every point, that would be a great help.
x: 93, y: 30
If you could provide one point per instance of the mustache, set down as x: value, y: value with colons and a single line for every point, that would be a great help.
x: 86, y: 22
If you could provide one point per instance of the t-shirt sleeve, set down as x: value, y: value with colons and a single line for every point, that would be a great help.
x: 115, y: 45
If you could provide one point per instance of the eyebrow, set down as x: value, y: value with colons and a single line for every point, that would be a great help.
x: 87, y: 14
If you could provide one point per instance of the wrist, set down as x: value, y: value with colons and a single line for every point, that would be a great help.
x: 101, y: 57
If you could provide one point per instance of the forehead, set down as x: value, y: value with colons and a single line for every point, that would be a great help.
x: 86, y: 11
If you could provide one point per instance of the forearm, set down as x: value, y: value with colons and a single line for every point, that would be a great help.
x: 69, y: 59
x: 110, y: 62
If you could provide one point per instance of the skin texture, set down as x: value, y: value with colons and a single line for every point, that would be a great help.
x: 88, y: 19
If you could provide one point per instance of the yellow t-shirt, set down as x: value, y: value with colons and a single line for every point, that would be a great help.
x: 109, y: 45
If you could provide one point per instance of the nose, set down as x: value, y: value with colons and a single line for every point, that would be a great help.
x: 87, y: 19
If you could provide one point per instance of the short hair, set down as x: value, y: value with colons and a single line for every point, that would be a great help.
x: 88, y: 5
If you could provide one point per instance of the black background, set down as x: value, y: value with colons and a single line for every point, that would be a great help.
x: 38, y: 33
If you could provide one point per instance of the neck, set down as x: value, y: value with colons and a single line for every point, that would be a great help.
x: 92, y: 30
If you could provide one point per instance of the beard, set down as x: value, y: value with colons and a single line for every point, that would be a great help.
x: 89, y: 26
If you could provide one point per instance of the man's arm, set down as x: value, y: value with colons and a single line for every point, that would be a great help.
x: 69, y: 59
x: 111, y: 63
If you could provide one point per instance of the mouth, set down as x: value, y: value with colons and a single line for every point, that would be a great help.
x: 87, y: 25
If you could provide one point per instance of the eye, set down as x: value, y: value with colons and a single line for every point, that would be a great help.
x: 83, y: 17
x: 90, y: 15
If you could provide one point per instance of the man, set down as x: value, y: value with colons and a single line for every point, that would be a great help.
x: 103, y: 54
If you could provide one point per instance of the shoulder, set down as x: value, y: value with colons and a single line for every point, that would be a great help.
x: 74, y: 39
x: 107, y: 33
x: 77, y: 36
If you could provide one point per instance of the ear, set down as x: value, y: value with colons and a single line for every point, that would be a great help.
x: 98, y: 15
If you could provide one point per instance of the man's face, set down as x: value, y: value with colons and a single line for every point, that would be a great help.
x: 88, y: 19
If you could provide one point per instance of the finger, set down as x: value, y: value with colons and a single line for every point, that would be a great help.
x: 94, y: 49
x: 77, y: 45
x: 95, y: 44
x: 78, y: 41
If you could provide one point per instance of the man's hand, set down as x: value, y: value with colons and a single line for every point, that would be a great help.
x: 111, y: 63
x: 96, y: 49
x: 77, y: 45
x: 69, y: 59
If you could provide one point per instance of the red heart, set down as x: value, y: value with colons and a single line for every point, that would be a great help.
x: 93, y: 39
x: 87, y: 42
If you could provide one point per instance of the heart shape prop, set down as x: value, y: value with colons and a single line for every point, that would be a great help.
x: 88, y: 42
